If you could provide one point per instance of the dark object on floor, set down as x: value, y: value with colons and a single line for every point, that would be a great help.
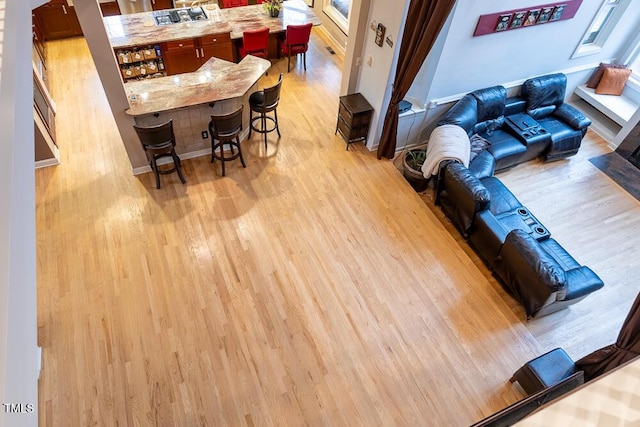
x: 158, y: 142
x: 620, y: 170
x: 225, y: 129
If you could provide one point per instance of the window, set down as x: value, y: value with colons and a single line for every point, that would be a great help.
x: 635, y: 65
x: 632, y: 59
x: 342, y: 6
x: 338, y: 11
x: 601, y: 26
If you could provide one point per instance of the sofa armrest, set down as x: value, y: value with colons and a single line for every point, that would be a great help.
x: 462, y: 196
x: 514, y: 105
x: 581, y: 282
x: 483, y: 166
x: 571, y: 116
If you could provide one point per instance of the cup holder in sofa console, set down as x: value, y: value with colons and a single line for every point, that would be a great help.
x: 540, y: 230
x: 523, y: 211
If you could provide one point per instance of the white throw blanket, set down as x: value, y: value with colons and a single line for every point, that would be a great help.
x: 447, y: 142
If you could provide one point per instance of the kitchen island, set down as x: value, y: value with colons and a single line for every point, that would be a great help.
x: 201, y: 77
x: 218, y: 87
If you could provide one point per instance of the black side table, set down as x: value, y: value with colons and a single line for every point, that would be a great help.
x: 354, y: 118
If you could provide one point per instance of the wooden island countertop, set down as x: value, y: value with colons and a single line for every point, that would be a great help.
x: 216, y: 80
x: 140, y: 28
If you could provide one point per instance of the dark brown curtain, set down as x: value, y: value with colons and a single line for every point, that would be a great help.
x: 424, y: 21
x: 626, y: 347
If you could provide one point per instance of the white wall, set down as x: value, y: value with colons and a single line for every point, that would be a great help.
x: 375, y: 81
x: 468, y: 63
x: 18, y: 326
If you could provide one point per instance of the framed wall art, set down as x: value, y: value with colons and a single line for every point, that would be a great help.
x: 503, y: 22
x: 545, y: 14
x: 521, y: 18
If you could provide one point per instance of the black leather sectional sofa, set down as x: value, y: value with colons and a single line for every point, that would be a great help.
x: 510, y: 240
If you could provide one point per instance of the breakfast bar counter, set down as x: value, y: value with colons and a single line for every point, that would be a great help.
x: 217, y: 80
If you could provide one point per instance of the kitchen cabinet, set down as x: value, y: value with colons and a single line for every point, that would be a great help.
x: 186, y: 56
x: 37, y: 35
x: 181, y: 56
x: 58, y: 20
x: 216, y: 46
x: 110, y: 8
x: 161, y: 4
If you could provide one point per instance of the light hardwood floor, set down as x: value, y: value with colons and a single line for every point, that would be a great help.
x: 313, y: 287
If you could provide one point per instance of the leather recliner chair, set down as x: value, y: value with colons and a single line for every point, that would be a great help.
x: 542, y: 275
x: 544, y: 97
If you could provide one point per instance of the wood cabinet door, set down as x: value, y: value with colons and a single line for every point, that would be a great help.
x: 54, y: 20
x: 216, y: 46
x: 110, y: 9
x: 161, y: 4
x: 38, y: 37
x: 58, y: 20
x: 74, y: 23
x: 182, y: 56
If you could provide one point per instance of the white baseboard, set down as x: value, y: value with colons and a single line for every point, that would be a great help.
x: 39, y: 351
x: 336, y: 44
x: 47, y: 162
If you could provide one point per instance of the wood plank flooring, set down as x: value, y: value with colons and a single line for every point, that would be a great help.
x: 313, y: 287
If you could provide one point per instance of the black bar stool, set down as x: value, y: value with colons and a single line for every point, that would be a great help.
x: 159, y: 141
x: 263, y: 102
x: 226, y: 130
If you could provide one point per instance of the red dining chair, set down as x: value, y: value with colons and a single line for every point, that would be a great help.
x: 296, y: 42
x: 255, y: 42
x: 234, y: 3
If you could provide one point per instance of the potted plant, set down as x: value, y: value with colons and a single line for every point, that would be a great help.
x: 412, y: 168
x: 273, y: 7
